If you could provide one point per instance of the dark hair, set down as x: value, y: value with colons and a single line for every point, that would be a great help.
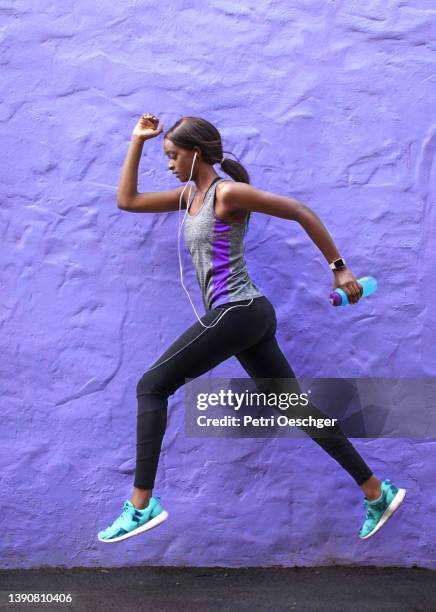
x: 189, y: 132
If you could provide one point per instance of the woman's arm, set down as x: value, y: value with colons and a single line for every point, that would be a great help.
x: 128, y: 185
x: 241, y: 196
x: 128, y: 197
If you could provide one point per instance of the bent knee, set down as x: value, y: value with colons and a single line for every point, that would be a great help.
x: 148, y: 383
x: 153, y: 383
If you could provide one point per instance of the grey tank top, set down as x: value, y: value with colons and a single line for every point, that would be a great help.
x: 217, y: 250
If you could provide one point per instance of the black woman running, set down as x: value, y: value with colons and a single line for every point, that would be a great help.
x: 239, y: 320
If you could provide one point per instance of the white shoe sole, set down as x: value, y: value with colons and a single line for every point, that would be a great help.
x: 157, y: 520
x: 394, y: 505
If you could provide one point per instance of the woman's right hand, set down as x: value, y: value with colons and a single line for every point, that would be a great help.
x: 147, y: 127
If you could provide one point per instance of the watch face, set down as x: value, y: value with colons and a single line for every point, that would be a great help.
x: 339, y: 263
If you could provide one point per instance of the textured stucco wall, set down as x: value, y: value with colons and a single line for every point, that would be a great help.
x: 330, y: 102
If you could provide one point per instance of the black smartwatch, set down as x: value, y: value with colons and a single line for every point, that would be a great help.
x: 337, y: 264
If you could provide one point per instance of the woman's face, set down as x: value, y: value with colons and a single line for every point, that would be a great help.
x: 179, y: 159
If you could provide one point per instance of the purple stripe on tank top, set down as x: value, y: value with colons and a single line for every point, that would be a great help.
x: 220, y: 262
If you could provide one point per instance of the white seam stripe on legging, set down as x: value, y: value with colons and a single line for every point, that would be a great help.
x: 220, y: 316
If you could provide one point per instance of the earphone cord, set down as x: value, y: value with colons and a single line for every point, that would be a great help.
x: 180, y: 259
x: 221, y: 314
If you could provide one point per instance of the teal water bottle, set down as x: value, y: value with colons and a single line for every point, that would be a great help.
x: 339, y: 298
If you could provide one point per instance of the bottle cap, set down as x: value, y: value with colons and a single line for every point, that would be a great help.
x: 335, y: 299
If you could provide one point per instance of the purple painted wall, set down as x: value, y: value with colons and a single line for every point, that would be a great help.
x: 329, y: 102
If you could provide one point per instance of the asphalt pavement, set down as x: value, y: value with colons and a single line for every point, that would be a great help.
x: 185, y: 589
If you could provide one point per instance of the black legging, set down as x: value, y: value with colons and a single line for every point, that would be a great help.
x: 248, y: 332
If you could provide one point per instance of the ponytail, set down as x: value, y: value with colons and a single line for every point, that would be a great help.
x: 238, y: 173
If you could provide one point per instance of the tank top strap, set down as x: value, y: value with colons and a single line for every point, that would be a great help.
x: 209, y: 197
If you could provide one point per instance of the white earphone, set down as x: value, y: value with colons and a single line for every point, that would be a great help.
x: 180, y: 259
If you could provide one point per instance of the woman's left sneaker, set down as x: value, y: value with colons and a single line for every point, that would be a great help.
x: 381, y: 509
x: 133, y: 521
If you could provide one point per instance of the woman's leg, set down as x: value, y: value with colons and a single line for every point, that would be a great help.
x: 197, y: 350
x: 265, y: 360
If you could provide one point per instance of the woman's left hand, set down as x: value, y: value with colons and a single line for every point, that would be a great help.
x: 345, y: 280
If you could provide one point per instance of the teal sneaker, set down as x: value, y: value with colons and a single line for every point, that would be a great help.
x: 381, y: 509
x: 133, y: 521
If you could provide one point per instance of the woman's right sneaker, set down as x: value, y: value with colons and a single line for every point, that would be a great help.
x: 133, y: 521
x: 380, y: 510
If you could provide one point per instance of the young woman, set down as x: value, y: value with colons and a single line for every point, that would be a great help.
x: 239, y: 320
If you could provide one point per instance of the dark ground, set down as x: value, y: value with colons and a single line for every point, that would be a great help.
x: 156, y: 589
